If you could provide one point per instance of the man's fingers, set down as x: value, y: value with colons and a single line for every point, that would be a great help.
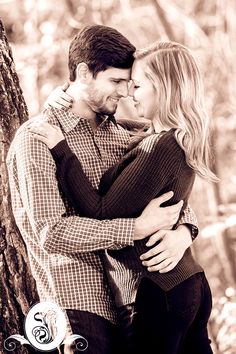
x: 168, y: 268
x: 156, y: 260
x: 163, y: 265
x: 176, y: 207
x: 153, y: 251
x: 164, y: 197
x: 155, y: 237
x: 179, y: 204
x: 174, y: 211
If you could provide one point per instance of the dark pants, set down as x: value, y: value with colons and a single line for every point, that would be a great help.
x: 173, y: 322
x: 101, y: 335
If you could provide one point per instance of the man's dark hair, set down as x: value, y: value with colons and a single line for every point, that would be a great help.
x: 100, y: 47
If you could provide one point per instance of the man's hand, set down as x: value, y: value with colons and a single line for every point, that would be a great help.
x: 166, y: 255
x: 59, y: 99
x: 154, y: 217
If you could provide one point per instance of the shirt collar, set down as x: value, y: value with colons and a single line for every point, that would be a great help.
x: 108, y: 119
x: 69, y: 120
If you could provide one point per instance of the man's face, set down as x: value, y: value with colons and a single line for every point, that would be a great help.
x: 105, y: 90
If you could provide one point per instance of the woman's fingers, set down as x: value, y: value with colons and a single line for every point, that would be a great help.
x: 39, y: 131
x: 42, y: 138
x: 65, y: 86
x: 52, y: 134
x: 59, y: 98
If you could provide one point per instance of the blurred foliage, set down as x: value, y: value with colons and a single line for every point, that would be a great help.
x: 40, y: 33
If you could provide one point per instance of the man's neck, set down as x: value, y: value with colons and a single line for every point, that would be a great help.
x: 81, y: 109
x: 84, y: 111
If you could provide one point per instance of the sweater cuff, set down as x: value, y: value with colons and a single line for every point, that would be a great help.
x: 60, y: 150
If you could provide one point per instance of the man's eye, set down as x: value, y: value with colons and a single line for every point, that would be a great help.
x: 116, y: 81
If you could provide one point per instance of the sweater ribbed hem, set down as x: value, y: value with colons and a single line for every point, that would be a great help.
x: 186, y: 267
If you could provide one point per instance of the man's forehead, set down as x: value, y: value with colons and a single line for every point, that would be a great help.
x: 118, y: 74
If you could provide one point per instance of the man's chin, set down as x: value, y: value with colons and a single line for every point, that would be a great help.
x: 109, y: 111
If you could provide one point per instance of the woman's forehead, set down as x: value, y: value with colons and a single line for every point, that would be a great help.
x: 138, y: 70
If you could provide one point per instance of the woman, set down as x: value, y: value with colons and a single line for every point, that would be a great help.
x: 171, y: 309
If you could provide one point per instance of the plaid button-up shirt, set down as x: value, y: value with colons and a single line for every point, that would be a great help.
x: 65, y: 250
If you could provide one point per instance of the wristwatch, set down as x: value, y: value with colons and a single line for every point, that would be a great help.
x: 194, y: 230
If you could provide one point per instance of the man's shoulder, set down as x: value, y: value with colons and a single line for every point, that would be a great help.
x: 24, y: 143
x: 45, y: 115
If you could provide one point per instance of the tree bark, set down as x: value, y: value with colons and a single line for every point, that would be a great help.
x: 17, y: 286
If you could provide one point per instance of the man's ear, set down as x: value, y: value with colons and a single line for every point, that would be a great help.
x: 83, y: 73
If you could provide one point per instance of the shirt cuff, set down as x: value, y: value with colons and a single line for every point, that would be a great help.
x: 124, y: 232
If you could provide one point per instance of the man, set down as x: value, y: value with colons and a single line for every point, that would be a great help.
x: 65, y: 249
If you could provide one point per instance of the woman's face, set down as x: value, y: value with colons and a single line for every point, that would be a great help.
x: 143, y: 92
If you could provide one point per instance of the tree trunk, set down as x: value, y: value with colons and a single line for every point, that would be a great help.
x: 17, y: 286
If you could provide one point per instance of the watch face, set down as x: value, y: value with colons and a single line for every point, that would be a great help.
x: 194, y: 231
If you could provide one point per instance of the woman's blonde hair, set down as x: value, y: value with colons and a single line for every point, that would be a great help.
x: 175, y: 75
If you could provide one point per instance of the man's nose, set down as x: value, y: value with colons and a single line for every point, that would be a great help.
x: 131, y: 90
x: 122, y: 89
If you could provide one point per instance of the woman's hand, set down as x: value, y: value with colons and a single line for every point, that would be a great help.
x: 49, y: 134
x: 59, y: 99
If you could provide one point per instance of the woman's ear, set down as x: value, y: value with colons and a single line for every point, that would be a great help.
x: 83, y: 74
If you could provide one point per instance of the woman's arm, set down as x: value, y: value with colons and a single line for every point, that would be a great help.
x: 141, y: 176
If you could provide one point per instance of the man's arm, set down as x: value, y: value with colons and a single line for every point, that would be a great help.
x: 55, y: 231
x: 58, y: 233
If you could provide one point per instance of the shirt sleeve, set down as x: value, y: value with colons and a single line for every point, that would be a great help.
x: 56, y: 232
x: 142, y: 177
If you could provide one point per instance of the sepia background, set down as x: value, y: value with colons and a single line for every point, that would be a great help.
x: 39, y: 33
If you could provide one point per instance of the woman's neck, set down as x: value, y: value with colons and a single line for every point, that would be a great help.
x: 156, y: 127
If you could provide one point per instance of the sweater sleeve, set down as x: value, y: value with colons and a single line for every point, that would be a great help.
x: 141, y: 178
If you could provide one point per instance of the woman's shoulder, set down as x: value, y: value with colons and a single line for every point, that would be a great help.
x: 167, y: 140
x: 163, y: 148
x: 164, y: 140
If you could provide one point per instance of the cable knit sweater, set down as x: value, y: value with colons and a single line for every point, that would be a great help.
x: 156, y: 165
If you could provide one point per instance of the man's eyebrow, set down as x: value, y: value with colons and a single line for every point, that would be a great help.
x: 119, y: 79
